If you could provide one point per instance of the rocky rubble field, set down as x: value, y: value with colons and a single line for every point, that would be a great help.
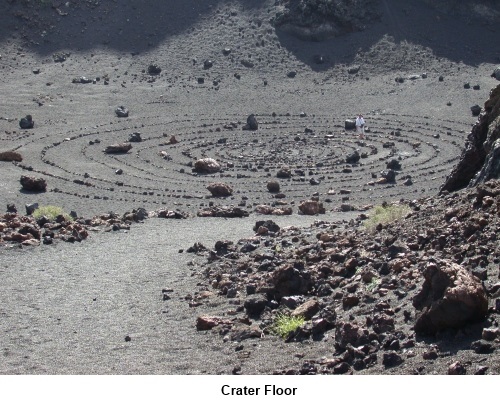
x: 421, y: 295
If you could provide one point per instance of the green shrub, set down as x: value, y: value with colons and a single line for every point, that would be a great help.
x: 372, y: 285
x: 51, y: 212
x: 385, y: 215
x: 285, y: 324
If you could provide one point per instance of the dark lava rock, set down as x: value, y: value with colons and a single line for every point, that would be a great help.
x: 284, y: 173
x: 350, y: 333
x: 255, y: 304
x: 252, y: 124
x: 154, y: 69
x: 353, y: 157
x: 450, y: 297
x: 288, y: 280
x: 26, y: 122
x: 482, y: 347
x: 135, y: 137
x: 391, y: 359
x: 207, y: 64
x: 118, y: 148
x: 273, y: 187
x: 394, y: 164
x: 353, y: 69
x: 476, y: 110
x: 81, y: 80
x: 389, y: 175
x: 350, y: 124
x: 33, y: 184
x: 30, y: 208
x: 341, y: 368
x: 206, y: 166
x: 220, y: 189
x: 269, y: 224
x: 457, y: 368
x: 121, y: 112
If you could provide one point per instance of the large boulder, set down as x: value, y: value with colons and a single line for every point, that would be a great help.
x: 206, y: 166
x: 450, y: 297
x: 118, y: 148
x: 10, y: 156
x: 311, y: 207
x: 220, y: 189
x: 479, y: 158
x: 33, y: 184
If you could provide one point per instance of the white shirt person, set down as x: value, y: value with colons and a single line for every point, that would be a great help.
x: 360, y: 126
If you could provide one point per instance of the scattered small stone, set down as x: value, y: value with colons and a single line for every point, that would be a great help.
x: 121, y: 112
x: 154, y: 69
x: 135, y: 137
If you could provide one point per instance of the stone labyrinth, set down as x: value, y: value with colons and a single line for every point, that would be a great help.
x: 155, y: 173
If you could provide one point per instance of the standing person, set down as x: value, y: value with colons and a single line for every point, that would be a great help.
x: 360, y: 126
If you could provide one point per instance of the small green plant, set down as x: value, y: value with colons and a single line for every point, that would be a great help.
x: 284, y: 324
x: 51, y: 212
x: 373, y: 284
x: 385, y: 215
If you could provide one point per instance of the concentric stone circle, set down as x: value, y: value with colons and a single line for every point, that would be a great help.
x: 313, y: 147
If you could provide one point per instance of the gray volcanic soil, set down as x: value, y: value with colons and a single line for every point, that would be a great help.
x: 68, y: 308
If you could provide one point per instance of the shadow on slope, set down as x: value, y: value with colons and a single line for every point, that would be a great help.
x: 47, y: 27
x: 448, y: 33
